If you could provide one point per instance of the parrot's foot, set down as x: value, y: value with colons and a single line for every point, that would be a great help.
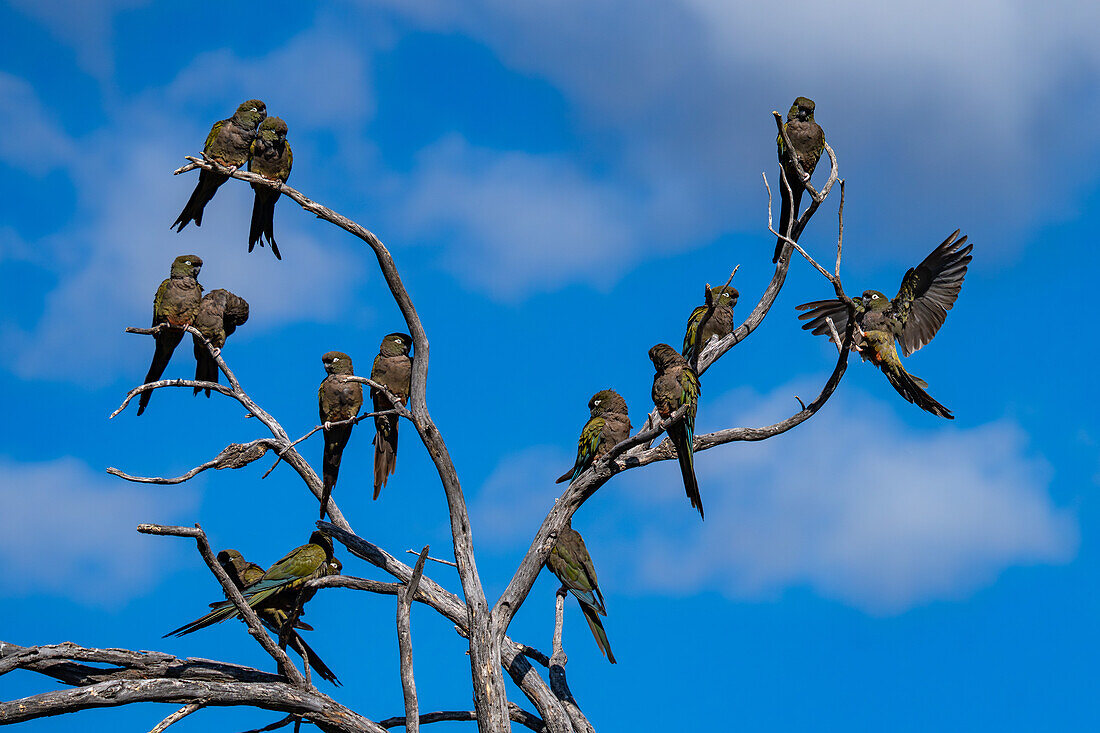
x: 327, y: 425
x: 216, y: 352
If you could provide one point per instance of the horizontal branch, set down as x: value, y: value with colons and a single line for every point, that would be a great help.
x: 516, y: 713
x: 234, y: 455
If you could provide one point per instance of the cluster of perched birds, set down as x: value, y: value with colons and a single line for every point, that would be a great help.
x: 910, y: 319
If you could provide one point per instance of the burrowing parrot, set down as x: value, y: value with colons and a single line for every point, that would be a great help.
x: 303, y: 563
x: 220, y: 312
x: 393, y: 369
x: 176, y: 303
x: 675, y: 384
x: 271, y: 158
x: 718, y: 325
x: 912, y: 318
x: 808, y: 140
x: 228, y: 143
x: 570, y: 561
x: 338, y: 399
x: 608, y: 426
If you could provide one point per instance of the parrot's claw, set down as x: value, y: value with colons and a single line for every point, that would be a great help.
x: 327, y: 425
x: 216, y: 352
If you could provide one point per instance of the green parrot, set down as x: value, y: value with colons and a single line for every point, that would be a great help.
x: 570, y: 561
x: 608, y: 426
x: 912, y: 318
x: 808, y: 140
x: 270, y: 158
x: 392, y: 368
x: 228, y: 143
x: 675, y: 384
x: 719, y: 325
x: 338, y: 399
x: 176, y: 303
x: 271, y: 590
x: 274, y: 614
x: 220, y: 312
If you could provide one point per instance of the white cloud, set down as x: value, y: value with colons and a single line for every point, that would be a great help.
x: 854, y: 504
x: 69, y: 531
x: 517, y: 223
x: 517, y: 496
x: 34, y: 142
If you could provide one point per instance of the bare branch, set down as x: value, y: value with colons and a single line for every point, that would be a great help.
x: 435, y: 559
x: 234, y: 455
x: 558, y: 661
x: 516, y: 713
x: 404, y: 643
x: 255, y: 626
x: 176, y: 716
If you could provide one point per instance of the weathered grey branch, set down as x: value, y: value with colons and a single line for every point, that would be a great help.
x: 234, y: 455
x: 517, y: 714
x: 558, y: 660
x: 404, y: 643
x: 435, y: 559
x: 255, y: 626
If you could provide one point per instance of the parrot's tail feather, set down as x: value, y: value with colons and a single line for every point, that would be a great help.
x: 598, y: 632
x: 786, y: 211
x: 335, y: 440
x: 256, y: 228
x: 206, y: 369
x: 166, y: 343
x: 684, y: 455
x: 912, y: 389
x: 204, y: 191
x: 214, y: 617
x: 567, y: 476
x: 385, y: 451
x: 314, y: 660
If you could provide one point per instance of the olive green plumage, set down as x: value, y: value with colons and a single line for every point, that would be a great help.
x: 270, y: 158
x: 608, y: 426
x: 675, y: 384
x: 808, y: 140
x: 219, y: 314
x: 176, y: 303
x: 392, y: 369
x: 912, y: 318
x: 228, y: 143
x: 276, y: 607
x: 570, y: 562
x: 718, y: 325
x: 338, y: 399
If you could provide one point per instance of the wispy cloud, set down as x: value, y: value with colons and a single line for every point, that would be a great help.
x: 67, y: 530
x: 855, y: 505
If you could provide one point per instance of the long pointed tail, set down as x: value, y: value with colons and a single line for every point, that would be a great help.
x: 598, y: 631
x: 786, y: 211
x: 686, y: 457
x: 256, y: 227
x: 313, y: 659
x: 335, y: 440
x: 224, y: 610
x: 166, y: 341
x: 913, y: 389
x: 204, y: 191
x: 385, y: 451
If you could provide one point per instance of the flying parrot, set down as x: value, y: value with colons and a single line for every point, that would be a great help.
x: 911, y: 319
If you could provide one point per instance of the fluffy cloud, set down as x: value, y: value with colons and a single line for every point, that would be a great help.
x: 854, y: 504
x: 67, y: 530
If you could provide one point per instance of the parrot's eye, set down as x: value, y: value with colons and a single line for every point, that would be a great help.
x: 596, y: 402
x: 253, y: 110
x: 335, y: 359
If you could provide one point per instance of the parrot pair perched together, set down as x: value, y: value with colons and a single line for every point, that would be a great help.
x: 179, y: 302
x: 251, y: 137
x: 340, y: 398
x: 276, y: 594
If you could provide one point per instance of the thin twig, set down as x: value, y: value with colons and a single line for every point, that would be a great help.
x: 178, y: 715
x: 435, y: 559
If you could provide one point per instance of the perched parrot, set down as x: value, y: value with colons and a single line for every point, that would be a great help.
x: 719, y: 325
x: 271, y: 590
x: 220, y: 312
x: 228, y: 143
x: 676, y: 384
x: 338, y: 399
x: 608, y: 426
x: 176, y: 303
x: 570, y: 561
x: 808, y: 140
x: 912, y: 318
x: 270, y: 158
x: 276, y: 612
x: 392, y: 368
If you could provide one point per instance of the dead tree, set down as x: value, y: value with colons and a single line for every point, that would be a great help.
x: 132, y: 676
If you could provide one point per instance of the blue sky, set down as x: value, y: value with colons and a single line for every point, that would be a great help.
x: 557, y: 181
